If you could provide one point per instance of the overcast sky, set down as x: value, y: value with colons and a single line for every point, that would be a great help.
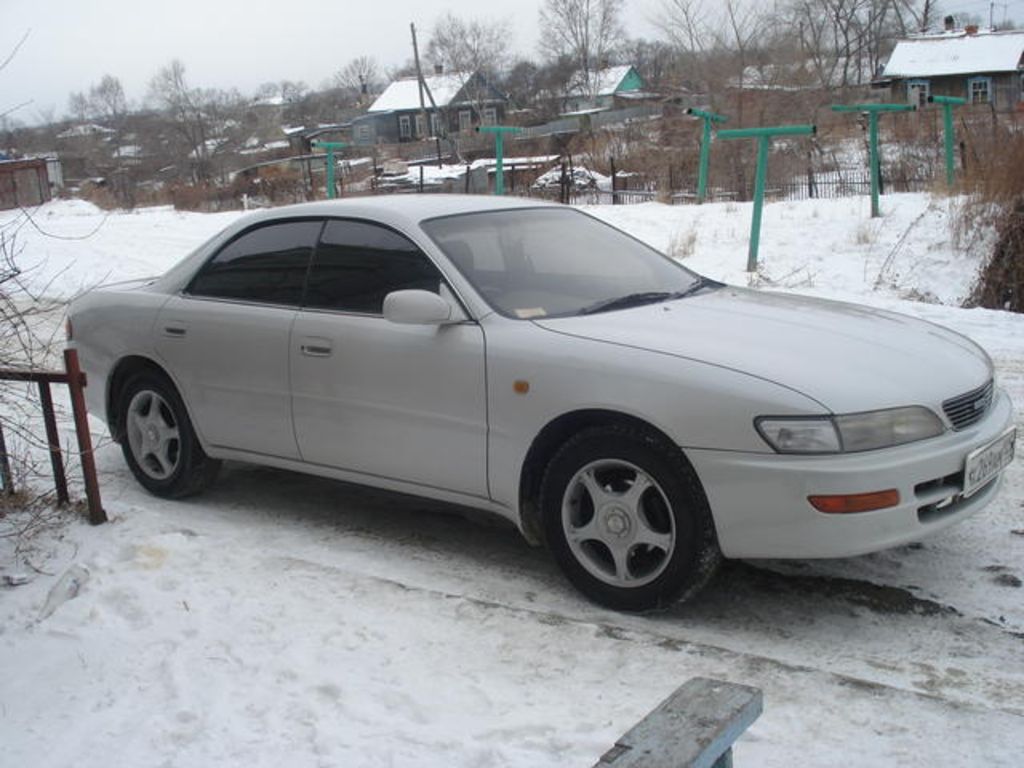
x: 243, y: 43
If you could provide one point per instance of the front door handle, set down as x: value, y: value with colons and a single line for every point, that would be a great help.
x: 174, y: 330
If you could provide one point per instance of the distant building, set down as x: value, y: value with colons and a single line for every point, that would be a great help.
x: 600, y: 89
x: 23, y: 183
x: 983, y: 67
x: 463, y: 102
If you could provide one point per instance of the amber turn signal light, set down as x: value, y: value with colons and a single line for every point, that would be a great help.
x: 855, y: 502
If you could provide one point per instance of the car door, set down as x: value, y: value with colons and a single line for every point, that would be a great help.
x: 405, y: 402
x: 225, y: 338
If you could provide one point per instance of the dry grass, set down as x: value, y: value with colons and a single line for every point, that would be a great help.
x: 994, y: 184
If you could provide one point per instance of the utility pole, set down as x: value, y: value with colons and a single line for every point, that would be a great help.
x: 423, y: 87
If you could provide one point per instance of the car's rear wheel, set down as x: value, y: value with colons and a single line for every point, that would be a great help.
x: 159, y: 443
x: 627, y: 519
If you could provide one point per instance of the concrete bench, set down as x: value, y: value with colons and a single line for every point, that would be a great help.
x: 695, y: 727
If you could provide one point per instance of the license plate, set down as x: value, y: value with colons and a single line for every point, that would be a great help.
x: 988, y: 461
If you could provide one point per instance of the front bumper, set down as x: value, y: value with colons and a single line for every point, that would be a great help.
x: 759, y: 500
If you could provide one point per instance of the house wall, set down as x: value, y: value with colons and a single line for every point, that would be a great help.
x: 1005, y: 89
x: 384, y: 128
x: 23, y: 183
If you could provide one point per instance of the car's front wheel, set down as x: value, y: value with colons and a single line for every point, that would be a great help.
x: 627, y: 519
x: 158, y: 443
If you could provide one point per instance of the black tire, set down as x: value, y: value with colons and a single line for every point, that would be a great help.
x: 158, y: 441
x: 588, y: 491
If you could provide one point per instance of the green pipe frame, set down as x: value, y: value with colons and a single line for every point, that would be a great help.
x: 331, y: 147
x: 948, y: 102
x: 499, y: 132
x: 705, y: 148
x: 873, y: 111
x: 764, y: 137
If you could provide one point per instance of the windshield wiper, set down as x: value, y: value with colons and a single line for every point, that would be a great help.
x: 648, y: 297
x: 698, y: 285
x: 629, y: 300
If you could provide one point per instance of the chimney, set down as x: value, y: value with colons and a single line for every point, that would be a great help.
x: 950, y: 23
x: 971, y: 29
x: 439, y: 69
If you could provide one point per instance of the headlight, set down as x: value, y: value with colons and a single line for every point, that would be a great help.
x: 849, y: 433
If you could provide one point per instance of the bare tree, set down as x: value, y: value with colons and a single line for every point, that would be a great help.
x: 183, y: 103
x: 718, y: 41
x: 474, y: 50
x: 587, y: 32
x: 846, y: 41
x: 359, y: 78
x: 79, y: 108
x: 470, y: 45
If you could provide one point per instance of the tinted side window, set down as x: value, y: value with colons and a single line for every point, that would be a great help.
x: 358, y: 264
x: 267, y: 265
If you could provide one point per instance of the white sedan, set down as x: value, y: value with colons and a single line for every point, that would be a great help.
x: 528, y: 359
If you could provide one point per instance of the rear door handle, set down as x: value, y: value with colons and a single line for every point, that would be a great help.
x: 316, y: 347
x: 175, y: 331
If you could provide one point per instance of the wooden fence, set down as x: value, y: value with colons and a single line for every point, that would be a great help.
x: 74, y: 378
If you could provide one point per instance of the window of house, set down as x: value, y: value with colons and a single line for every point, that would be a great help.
x: 490, y: 116
x: 421, y: 125
x: 979, y: 90
x: 357, y: 264
x: 266, y: 265
x: 435, y: 124
x: 363, y: 133
x: 1022, y: 87
x: 404, y: 131
x: 465, y: 120
x: 918, y: 92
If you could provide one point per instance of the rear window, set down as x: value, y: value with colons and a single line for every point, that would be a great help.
x: 267, y: 265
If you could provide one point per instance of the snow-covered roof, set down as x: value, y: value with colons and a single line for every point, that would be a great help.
x: 956, y: 54
x: 405, y: 93
x: 84, y: 129
x: 605, y: 80
x: 128, y: 151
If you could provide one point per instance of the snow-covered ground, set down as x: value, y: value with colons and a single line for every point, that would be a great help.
x: 287, y: 620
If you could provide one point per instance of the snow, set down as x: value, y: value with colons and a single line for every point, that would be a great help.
x: 956, y: 54
x: 280, y: 619
x: 405, y: 93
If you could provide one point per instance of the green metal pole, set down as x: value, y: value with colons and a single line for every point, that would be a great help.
x: 873, y: 160
x: 705, y: 159
x: 873, y: 111
x: 499, y: 132
x: 947, y: 129
x: 759, y: 182
x: 499, y: 160
x: 705, y: 148
x: 948, y: 102
x: 764, y: 137
x: 330, y: 173
x: 330, y: 147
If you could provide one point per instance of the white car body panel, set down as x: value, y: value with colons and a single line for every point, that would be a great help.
x: 434, y: 410
x: 230, y: 361
x: 385, y: 396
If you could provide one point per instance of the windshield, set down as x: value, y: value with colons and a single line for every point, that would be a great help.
x: 553, y: 262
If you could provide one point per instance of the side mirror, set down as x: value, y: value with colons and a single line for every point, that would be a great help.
x: 418, y: 307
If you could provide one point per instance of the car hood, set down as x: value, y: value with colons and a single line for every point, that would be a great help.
x: 847, y: 357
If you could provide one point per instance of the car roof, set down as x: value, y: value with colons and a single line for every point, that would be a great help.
x: 401, y: 208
